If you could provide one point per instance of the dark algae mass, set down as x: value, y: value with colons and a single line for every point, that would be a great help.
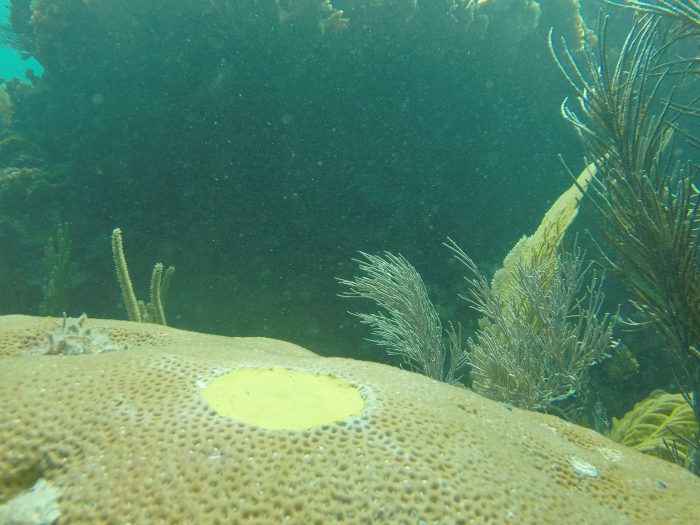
x: 258, y: 167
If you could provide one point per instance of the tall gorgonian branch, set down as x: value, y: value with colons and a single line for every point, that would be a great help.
x: 645, y: 200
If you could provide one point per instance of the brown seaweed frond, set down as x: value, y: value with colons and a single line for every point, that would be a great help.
x: 686, y: 12
x: 683, y: 17
x: 616, y: 120
x: 645, y: 201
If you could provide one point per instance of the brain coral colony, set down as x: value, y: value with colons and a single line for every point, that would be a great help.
x: 215, y: 132
x: 181, y: 427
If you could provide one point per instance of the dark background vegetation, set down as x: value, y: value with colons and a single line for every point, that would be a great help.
x: 259, y: 156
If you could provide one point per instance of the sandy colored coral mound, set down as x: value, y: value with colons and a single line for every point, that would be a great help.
x: 125, y: 437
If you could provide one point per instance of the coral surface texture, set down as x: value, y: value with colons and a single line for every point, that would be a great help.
x: 127, y: 436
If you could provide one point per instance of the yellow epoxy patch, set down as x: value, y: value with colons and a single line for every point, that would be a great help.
x: 278, y: 398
